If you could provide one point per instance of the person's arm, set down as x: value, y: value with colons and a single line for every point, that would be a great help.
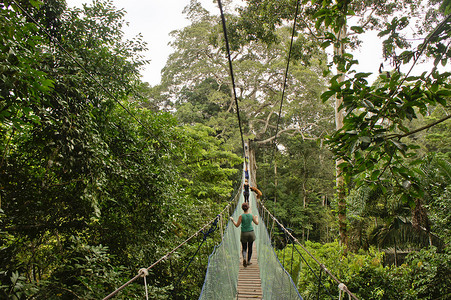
x: 255, y: 219
x: 237, y: 224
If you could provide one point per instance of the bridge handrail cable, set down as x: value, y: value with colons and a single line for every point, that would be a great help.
x: 341, y: 285
x: 142, y: 272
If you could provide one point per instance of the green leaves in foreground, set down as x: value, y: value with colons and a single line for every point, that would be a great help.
x: 375, y: 141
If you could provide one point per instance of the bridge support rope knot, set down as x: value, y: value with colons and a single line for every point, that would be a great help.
x: 143, y: 272
x: 342, y: 288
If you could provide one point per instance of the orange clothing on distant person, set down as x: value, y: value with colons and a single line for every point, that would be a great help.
x: 257, y: 191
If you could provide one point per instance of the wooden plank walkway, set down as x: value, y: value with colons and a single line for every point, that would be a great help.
x: 249, y: 283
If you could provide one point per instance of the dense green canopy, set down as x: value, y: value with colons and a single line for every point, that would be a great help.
x: 102, y: 174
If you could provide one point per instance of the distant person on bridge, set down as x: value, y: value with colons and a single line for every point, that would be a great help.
x: 247, y: 232
x: 246, y: 190
x: 246, y: 172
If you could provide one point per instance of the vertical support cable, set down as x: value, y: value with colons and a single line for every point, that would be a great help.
x: 145, y: 284
x: 319, y: 282
x: 281, y: 103
x: 286, y: 70
x: 292, y: 260
x: 143, y: 273
x: 283, y: 253
x: 221, y: 227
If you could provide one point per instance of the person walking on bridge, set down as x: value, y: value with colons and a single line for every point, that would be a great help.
x: 246, y: 172
x: 247, y: 232
x: 246, y: 192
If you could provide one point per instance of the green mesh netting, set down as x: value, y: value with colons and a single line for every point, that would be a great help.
x: 275, y: 280
x: 222, y: 272
x: 223, y: 264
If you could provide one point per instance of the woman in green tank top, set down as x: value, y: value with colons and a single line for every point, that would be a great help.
x: 247, y: 232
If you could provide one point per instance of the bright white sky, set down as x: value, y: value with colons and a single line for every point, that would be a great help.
x: 155, y: 19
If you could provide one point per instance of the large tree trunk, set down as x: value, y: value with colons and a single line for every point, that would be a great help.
x: 341, y: 189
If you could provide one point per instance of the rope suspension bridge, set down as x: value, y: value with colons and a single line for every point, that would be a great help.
x: 267, y: 277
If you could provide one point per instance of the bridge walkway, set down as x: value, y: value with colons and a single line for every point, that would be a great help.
x: 249, y: 283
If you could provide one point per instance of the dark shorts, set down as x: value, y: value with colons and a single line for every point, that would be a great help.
x: 247, y: 237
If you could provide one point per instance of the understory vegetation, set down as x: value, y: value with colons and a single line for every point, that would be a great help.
x: 102, y: 174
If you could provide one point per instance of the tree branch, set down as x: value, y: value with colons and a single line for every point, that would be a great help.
x: 418, y: 129
x: 420, y: 52
x: 296, y: 130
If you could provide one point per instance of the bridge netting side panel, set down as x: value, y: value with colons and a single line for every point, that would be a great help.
x: 275, y: 280
x: 222, y: 272
x: 223, y: 264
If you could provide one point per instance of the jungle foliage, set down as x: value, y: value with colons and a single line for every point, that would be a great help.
x: 92, y: 183
x: 102, y: 174
x: 392, y: 182
x: 423, y: 275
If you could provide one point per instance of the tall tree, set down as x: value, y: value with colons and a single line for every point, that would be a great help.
x: 196, y: 78
x: 370, y: 142
x: 304, y: 185
x: 329, y: 23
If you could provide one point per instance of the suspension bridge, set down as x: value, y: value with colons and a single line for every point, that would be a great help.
x: 266, y: 278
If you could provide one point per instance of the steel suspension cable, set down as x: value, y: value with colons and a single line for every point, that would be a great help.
x: 281, y: 102
x: 213, y: 227
x: 158, y: 261
x: 281, y: 228
x: 167, y: 254
x: 224, y: 29
x: 286, y: 69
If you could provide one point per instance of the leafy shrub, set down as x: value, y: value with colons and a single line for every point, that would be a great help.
x: 17, y: 288
x: 431, y: 273
x: 425, y: 275
x: 84, y: 272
